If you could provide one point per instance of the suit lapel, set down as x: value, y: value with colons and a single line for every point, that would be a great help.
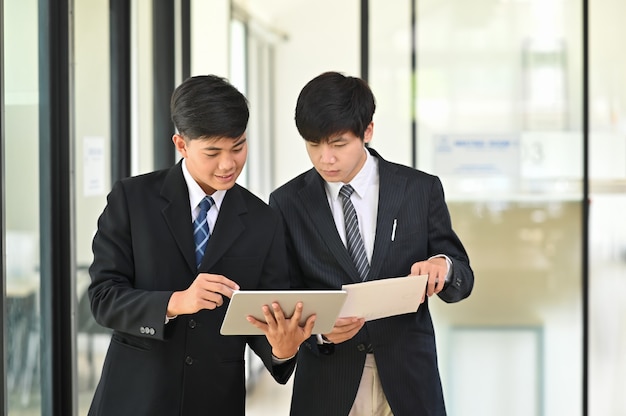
x: 391, y: 191
x: 315, y: 201
x: 227, y: 228
x: 177, y: 213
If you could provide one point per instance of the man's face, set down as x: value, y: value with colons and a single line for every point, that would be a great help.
x: 341, y: 157
x: 216, y: 162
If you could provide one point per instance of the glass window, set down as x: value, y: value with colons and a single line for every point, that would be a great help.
x: 21, y: 179
x: 142, y: 84
x: 238, y: 72
x: 92, y: 160
x: 251, y: 63
x: 498, y: 103
x: 495, y: 115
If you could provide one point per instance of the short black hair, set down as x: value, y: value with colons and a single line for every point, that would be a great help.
x: 209, y: 106
x: 332, y: 104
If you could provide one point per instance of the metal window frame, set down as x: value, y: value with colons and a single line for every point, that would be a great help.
x: 120, y: 67
x: 365, y: 39
x: 585, y: 207
x: 164, y: 70
x: 3, y: 310
x: 57, y: 265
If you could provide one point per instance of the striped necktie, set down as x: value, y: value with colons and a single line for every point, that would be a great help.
x: 201, y: 232
x: 353, y: 235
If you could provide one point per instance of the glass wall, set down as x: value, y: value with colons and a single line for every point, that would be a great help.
x: 92, y: 118
x: 21, y: 233
x: 498, y: 103
x: 92, y: 160
x: 142, y: 120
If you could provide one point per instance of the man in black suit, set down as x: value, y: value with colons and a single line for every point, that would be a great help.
x: 385, y: 366
x: 166, y: 306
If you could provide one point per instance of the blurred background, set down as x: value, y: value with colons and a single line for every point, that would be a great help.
x: 518, y: 105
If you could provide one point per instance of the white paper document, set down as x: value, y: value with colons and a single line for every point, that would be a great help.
x: 385, y: 297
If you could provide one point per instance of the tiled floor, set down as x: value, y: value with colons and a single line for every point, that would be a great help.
x: 268, y: 398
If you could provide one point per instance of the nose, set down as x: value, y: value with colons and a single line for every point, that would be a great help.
x: 327, y: 155
x: 226, y: 162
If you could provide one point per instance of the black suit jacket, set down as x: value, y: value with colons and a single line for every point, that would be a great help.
x: 404, y: 345
x: 143, y: 251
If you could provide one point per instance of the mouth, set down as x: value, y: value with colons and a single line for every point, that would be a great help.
x: 225, y: 178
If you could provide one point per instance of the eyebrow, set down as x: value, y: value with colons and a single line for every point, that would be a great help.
x: 237, y: 143
x: 240, y: 141
x: 337, y: 139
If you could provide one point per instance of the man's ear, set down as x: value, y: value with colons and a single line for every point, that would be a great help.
x: 180, y: 144
x: 369, y: 133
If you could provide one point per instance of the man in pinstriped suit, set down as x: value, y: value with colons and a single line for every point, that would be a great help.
x: 386, y: 366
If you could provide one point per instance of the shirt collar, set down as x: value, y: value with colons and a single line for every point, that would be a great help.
x: 196, y: 194
x: 361, y: 182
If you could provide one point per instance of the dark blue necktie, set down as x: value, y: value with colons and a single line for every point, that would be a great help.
x: 353, y: 235
x: 201, y: 232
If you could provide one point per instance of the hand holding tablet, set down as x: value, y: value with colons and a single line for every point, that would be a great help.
x: 325, y: 304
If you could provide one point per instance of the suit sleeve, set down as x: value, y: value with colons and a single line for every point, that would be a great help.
x: 274, y: 276
x: 294, y: 271
x: 443, y: 240
x: 115, y: 302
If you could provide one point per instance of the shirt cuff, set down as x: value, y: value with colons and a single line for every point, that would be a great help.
x: 321, y: 340
x: 448, y: 263
x: 276, y: 360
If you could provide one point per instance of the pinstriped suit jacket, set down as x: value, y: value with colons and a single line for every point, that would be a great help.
x: 404, y: 345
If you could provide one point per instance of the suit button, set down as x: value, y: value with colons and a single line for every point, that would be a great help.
x: 361, y: 347
x: 192, y: 324
x: 188, y: 360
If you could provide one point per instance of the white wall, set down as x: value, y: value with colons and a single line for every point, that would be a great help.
x: 390, y: 78
x: 210, y: 25
x: 322, y: 36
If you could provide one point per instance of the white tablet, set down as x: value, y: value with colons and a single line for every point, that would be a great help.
x: 326, y: 304
x: 377, y: 299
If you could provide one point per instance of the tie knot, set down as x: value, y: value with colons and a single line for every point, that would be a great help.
x: 206, y: 204
x: 346, y: 191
